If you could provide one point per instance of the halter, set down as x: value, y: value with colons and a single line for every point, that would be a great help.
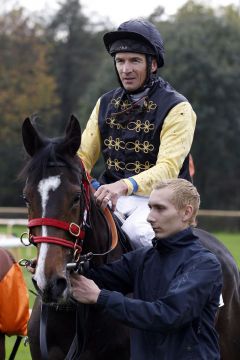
x: 74, y: 229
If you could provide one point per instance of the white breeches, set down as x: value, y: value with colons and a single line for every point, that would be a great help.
x: 135, y: 209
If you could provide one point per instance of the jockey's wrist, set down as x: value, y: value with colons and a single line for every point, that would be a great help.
x: 124, y: 188
x: 95, y: 184
x: 131, y: 185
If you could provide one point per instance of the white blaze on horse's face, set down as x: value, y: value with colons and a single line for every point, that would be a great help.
x: 44, y: 188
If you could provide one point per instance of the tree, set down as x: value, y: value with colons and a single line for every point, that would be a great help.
x: 75, y: 57
x: 202, y: 62
x: 26, y: 87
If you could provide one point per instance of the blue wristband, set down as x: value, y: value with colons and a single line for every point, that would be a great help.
x: 95, y: 184
x: 134, y: 184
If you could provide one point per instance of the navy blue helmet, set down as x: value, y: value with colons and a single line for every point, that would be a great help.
x: 138, y: 36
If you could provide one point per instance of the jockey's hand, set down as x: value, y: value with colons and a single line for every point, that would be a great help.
x: 110, y: 193
x: 84, y: 290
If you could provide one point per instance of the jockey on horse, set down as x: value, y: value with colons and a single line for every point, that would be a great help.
x: 144, y: 128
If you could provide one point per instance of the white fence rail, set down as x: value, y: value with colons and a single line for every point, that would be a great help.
x: 11, y: 222
x: 9, y: 240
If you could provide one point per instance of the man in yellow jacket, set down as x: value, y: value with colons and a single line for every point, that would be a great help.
x: 14, y: 300
x: 144, y: 129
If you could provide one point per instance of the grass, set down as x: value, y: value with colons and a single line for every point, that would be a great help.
x: 231, y: 241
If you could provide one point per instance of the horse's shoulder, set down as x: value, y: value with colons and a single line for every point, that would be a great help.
x: 214, y: 245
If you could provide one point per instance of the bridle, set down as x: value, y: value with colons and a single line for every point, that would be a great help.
x: 75, y: 230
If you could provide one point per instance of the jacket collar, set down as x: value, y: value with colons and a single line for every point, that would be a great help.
x: 174, y: 242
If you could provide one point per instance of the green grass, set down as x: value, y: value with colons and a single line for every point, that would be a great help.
x: 17, y: 230
x: 23, y: 352
x: 231, y: 241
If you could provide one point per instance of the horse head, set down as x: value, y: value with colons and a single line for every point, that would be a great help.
x: 56, y: 193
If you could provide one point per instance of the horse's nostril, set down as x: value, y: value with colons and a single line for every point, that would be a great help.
x: 61, y: 285
x: 54, y: 290
x: 57, y: 288
x: 34, y: 283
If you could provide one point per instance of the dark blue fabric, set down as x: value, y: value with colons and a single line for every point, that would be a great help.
x: 176, y: 285
x: 141, y: 31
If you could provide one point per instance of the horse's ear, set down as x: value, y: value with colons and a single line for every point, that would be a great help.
x: 72, y: 138
x: 31, y: 139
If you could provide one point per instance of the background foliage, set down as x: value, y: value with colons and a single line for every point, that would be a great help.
x: 59, y: 66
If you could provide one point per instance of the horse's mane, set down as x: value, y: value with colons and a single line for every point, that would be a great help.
x: 49, y: 154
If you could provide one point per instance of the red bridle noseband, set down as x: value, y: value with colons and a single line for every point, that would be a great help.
x: 74, y: 229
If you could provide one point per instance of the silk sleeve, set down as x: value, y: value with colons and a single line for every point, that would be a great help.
x: 89, y: 150
x: 175, y: 143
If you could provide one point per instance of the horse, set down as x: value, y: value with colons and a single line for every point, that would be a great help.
x: 71, y: 232
x: 227, y: 322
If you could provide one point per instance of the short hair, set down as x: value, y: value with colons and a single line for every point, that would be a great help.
x: 184, y: 193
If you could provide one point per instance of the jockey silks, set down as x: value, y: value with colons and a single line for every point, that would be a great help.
x: 130, y: 130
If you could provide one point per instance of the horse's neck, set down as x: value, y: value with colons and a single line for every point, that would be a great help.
x: 98, y: 237
x: 102, y: 230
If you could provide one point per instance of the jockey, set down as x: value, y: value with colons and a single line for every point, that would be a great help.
x: 144, y: 128
x: 14, y: 300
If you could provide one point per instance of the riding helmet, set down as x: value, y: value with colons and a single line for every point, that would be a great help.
x: 138, y: 36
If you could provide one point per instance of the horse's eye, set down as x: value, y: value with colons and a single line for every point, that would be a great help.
x: 76, y: 199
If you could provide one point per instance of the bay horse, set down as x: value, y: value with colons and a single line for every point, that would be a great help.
x: 69, y: 229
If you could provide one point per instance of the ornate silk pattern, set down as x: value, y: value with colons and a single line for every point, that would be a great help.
x: 136, y: 166
x: 123, y: 105
x: 134, y: 126
x: 120, y: 104
x: 118, y: 144
x: 137, y: 125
